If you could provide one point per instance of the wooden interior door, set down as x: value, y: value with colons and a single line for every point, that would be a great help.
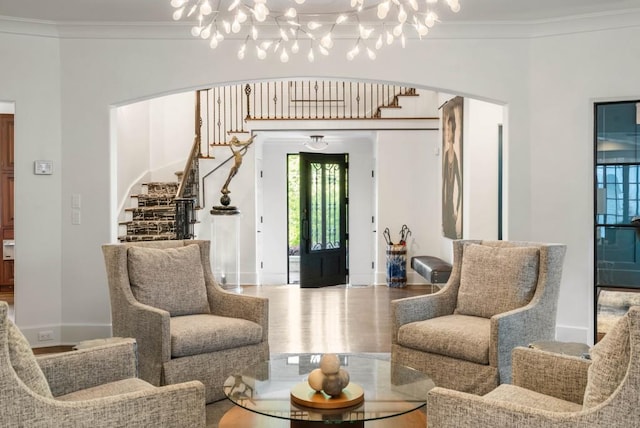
x: 6, y: 200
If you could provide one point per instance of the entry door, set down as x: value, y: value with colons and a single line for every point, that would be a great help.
x: 6, y: 202
x: 323, y: 215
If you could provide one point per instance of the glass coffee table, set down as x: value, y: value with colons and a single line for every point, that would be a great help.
x: 262, y: 394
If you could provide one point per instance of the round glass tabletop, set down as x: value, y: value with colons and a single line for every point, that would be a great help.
x: 389, y: 389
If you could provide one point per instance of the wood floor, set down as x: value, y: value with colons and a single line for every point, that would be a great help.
x: 330, y: 319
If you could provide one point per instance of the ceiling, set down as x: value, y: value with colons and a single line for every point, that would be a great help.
x: 158, y: 11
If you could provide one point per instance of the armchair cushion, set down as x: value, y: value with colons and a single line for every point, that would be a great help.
x: 494, y: 280
x: 24, y: 362
x: 472, y: 337
x: 610, y: 361
x: 526, y: 397
x: 171, y: 279
x: 201, y: 334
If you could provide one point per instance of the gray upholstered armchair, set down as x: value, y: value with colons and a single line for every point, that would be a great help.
x: 554, y: 390
x: 95, y: 387
x: 187, y: 327
x: 500, y: 295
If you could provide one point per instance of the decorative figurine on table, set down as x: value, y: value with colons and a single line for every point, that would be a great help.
x: 329, y: 378
x: 328, y: 387
x: 239, y: 149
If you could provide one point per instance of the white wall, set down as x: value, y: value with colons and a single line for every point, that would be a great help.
x: 480, y: 169
x: 64, y: 88
x: 407, y: 182
x: 30, y: 77
x: 133, y: 149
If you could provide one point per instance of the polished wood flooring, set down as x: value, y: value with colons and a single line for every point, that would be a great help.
x: 330, y: 319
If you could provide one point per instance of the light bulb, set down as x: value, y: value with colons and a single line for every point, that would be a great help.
x: 365, y: 32
x: 233, y: 5
x: 241, y: 17
x: 430, y: 19
x: 261, y: 11
x: 284, y: 56
x: 300, y: 1
x: 389, y: 38
x: 195, y: 31
x: 226, y: 26
x: 322, y: 50
x: 402, y: 15
x: 178, y: 3
x: 455, y: 8
x: 310, y: 56
x: 313, y: 25
x: 383, y: 9
x: 241, y: 54
x: 206, y: 32
x: 371, y: 54
x: 262, y: 54
x: 266, y: 44
x: 397, y: 30
x: 235, y: 27
x: 205, y: 8
x: 213, y: 43
x: 326, y: 41
x: 254, y: 32
x: 291, y: 13
x: 350, y: 55
x: 177, y: 14
x: 295, y: 48
x: 422, y: 30
x: 403, y: 40
x: 219, y: 36
x: 193, y: 9
x: 379, y: 42
x: 284, y: 35
x: 414, y: 4
x: 341, y: 18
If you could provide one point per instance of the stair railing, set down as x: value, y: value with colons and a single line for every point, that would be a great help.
x: 226, y: 109
x: 188, y: 194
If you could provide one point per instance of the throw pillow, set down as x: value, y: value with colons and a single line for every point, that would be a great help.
x: 24, y: 362
x: 169, y: 278
x: 610, y: 361
x: 496, y: 279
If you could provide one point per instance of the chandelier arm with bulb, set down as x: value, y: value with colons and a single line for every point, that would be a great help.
x: 369, y: 27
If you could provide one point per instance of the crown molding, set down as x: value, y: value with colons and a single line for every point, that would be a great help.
x: 442, y: 30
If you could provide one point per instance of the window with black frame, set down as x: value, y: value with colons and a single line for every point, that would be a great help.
x: 617, y: 211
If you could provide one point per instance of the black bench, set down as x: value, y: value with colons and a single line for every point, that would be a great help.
x: 433, y: 269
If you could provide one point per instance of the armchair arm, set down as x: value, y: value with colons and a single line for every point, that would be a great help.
x: 518, y: 327
x: 180, y: 405
x: 419, y: 308
x: 453, y: 409
x: 72, y: 371
x: 150, y: 327
x: 557, y: 375
x: 251, y: 308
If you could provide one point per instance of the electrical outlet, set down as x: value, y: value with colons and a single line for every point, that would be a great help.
x: 45, y: 335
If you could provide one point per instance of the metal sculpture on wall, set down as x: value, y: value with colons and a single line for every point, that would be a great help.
x: 452, y: 168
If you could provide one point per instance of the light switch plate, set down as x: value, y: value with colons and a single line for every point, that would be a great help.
x: 43, y: 167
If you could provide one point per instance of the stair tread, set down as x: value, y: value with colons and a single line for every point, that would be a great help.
x: 152, y: 208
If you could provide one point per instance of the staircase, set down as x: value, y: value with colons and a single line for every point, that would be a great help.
x: 153, y: 218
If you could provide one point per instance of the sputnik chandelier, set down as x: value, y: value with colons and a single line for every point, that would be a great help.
x: 308, y: 28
